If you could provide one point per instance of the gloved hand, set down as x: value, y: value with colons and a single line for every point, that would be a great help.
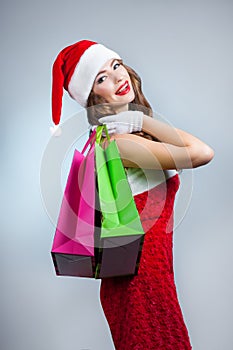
x: 55, y: 130
x: 123, y: 122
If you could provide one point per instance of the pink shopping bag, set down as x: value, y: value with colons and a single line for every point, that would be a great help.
x: 73, y: 244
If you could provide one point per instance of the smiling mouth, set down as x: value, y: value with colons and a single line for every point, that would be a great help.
x: 123, y: 89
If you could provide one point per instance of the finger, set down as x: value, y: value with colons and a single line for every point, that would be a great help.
x: 112, y: 131
x: 110, y: 125
x: 108, y: 119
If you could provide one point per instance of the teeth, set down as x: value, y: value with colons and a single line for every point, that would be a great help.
x: 123, y: 88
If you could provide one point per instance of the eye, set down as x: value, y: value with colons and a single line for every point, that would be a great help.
x: 101, y: 79
x: 116, y: 65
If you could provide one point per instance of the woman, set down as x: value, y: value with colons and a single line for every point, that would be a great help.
x: 143, y: 311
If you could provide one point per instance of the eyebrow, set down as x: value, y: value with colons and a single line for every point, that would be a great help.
x: 103, y: 71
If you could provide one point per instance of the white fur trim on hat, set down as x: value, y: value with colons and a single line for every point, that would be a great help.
x: 85, y: 72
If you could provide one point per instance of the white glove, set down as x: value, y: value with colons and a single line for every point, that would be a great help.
x: 55, y: 130
x: 123, y: 122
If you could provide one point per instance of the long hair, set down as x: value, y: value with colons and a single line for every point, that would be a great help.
x: 98, y: 107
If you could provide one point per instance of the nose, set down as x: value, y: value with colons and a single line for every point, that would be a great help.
x: 118, y: 76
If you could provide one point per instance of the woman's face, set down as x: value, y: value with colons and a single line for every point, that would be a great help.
x: 113, y: 83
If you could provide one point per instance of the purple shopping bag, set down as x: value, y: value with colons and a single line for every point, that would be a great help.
x: 73, y: 244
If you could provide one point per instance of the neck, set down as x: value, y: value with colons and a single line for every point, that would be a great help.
x: 121, y: 108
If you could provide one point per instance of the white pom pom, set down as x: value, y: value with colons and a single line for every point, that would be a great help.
x: 55, y: 130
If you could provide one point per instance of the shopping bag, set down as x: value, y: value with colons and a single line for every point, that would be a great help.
x: 121, y: 236
x: 73, y: 244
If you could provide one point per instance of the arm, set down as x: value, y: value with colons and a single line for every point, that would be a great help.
x: 177, y: 149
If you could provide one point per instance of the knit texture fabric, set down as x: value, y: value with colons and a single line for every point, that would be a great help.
x: 143, y: 311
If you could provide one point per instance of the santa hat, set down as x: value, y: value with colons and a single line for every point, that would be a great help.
x: 75, y: 69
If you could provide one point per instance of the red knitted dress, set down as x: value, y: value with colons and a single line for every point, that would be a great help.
x: 143, y: 311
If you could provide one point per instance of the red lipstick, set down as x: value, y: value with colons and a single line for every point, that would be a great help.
x: 123, y: 89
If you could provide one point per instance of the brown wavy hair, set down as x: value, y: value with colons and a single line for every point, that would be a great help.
x: 98, y: 107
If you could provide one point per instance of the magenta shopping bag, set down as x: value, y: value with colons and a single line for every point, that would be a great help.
x: 73, y: 244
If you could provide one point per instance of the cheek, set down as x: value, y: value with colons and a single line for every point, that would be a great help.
x: 132, y: 97
x: 102, y: 90
x: 132, y: 92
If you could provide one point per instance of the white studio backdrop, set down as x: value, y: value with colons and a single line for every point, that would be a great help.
x: 183, y: 52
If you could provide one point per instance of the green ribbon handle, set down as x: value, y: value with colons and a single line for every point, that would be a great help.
x: 99, y: 134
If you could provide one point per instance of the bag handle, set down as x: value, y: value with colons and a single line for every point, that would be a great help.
x: 99, y: 133
x: 91, y: 138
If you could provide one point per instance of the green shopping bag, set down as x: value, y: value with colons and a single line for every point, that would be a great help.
x: 121, y: 235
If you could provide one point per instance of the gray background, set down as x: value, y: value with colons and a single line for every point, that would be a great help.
x: 183, y: 52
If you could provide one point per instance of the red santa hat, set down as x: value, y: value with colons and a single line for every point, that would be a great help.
x: 75, y: 69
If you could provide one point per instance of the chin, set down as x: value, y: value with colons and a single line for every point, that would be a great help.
x: 128, y: 99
